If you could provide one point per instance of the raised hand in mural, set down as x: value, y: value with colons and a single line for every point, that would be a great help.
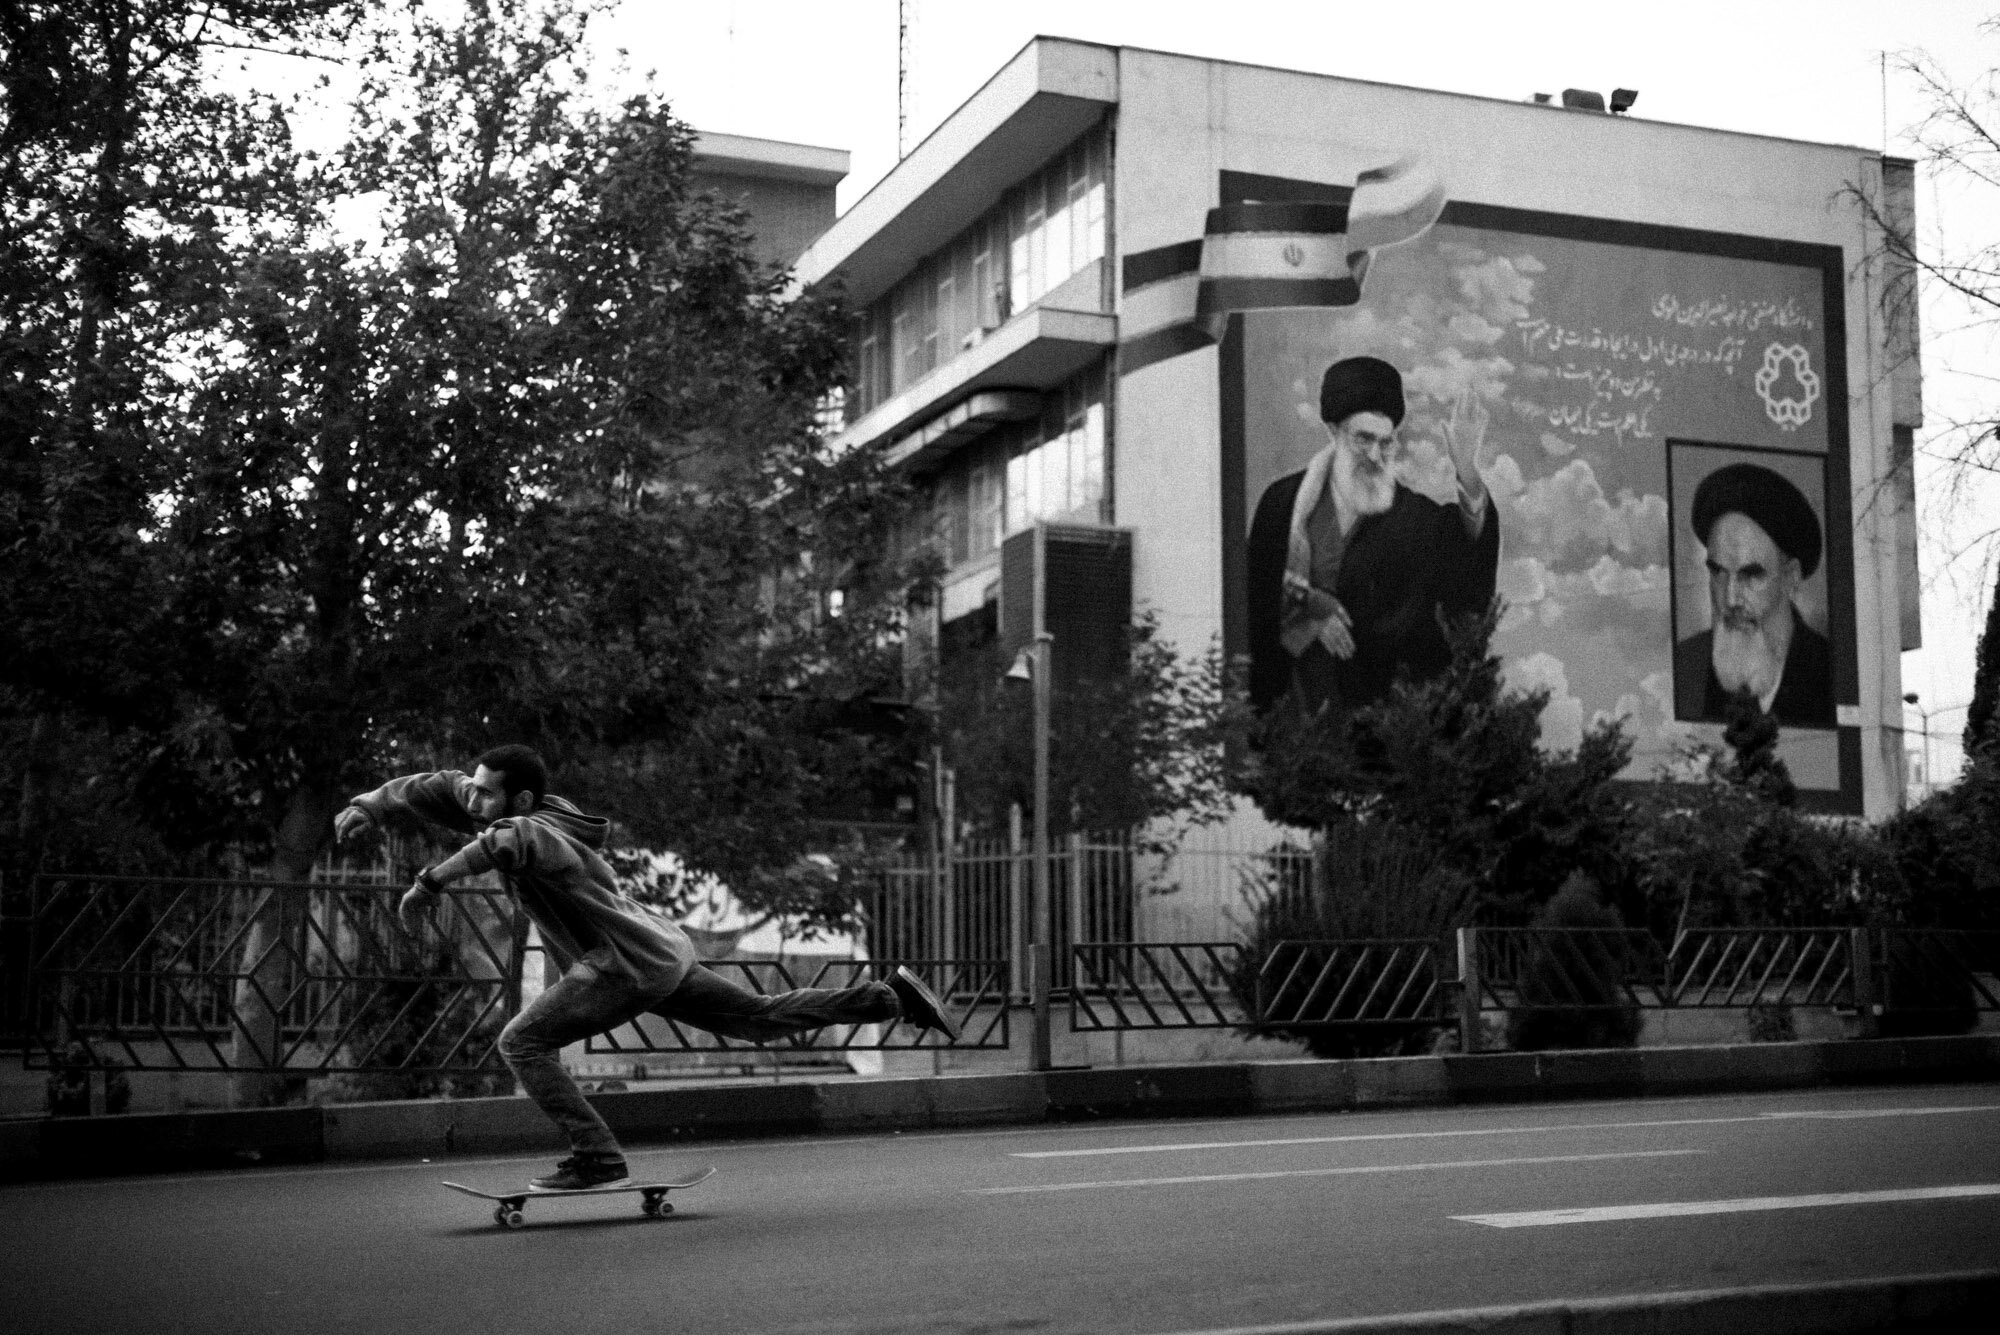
x: 1465, y: 438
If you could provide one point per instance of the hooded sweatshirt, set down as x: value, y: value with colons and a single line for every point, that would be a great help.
x: 549, y: 860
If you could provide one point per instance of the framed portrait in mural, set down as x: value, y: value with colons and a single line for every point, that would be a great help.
x: 1556, y: 397
x: 1748, y: 538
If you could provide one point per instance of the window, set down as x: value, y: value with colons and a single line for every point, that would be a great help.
x: 1055, y: 468
x: 1046, y: 230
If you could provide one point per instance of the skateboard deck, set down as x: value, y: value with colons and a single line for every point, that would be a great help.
x: 653, y: 1202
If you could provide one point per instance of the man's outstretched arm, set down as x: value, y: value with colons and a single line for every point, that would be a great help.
x: 437, y: 797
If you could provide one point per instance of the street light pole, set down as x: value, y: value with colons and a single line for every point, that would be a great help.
x: 1034, y: 665
x: 1930, y: 775
x: 1041, y: 957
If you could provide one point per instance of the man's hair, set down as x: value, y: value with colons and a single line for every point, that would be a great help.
x: 520, y: 769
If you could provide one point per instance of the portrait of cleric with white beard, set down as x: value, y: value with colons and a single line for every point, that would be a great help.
x: 1760, y: 540
x: 1351, y: 575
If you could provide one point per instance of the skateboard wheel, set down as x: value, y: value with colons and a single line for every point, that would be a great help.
x: 500, y: 1215
x: 511, y: 1218
x: 666, y: 1208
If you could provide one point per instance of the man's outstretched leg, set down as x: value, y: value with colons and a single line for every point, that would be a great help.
x: 707, y: 1000
x: 582, y: 1004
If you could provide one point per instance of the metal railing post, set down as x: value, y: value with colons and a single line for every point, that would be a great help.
x: 1867, y: 987
x: 1468, y: 989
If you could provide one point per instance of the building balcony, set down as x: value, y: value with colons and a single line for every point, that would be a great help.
x: 1000, y: 379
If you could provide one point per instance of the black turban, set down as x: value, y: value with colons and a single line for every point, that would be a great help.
x: 1767, y: 499
x: 1360, y: 385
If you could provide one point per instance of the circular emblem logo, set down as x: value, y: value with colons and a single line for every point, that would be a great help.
x: 1791, y: 409
x: 1294, y: 254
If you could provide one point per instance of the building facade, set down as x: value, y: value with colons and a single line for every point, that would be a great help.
x: 1104, y: 293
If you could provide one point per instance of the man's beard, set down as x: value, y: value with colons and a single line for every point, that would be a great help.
x: 1746, y: 656
x: 1367, y: 489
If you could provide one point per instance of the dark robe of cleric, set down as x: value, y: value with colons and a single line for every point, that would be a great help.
x: 1351, y: 585
x: 1760, y: 540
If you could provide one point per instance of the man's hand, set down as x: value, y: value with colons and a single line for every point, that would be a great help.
x: 1306, y: 606
x: 1465, y: 437
x: 1337, y: 632
x: 417, y: 901
x: 349, y: 822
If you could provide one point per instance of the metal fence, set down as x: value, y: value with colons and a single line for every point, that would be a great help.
x: 265, y: 976
x: 316, y: 978
x: 972, y: 904
x: 1447, y: 982
x: 312, y: 979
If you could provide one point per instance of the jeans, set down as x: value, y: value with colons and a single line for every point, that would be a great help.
x: 585, y: 1003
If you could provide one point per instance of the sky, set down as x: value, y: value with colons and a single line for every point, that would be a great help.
x: 824, y: 72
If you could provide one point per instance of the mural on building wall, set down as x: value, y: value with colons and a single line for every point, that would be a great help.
x: 1634, y: 435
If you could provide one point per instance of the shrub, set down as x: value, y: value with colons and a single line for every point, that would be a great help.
x: 1363, y: 879
x: 1572, y: 987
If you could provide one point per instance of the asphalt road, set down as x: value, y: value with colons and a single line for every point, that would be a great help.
x: 1140, y: 1227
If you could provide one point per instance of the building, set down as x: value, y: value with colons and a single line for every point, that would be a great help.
x: 787, y: 189
x: 1100, y: 297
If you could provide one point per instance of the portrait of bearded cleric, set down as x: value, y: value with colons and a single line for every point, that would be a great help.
x: 1352, y: 575
x: 1760, y: 541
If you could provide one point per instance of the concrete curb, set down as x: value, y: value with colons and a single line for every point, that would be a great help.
x: 1944, y: 1304
x: 151, y: 1142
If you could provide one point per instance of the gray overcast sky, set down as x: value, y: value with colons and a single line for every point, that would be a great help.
x: 825, y: 72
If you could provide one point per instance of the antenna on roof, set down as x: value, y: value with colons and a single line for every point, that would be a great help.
x: 902, y: 77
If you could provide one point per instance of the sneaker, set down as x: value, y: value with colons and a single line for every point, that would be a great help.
x: 920, y: 1005
x: 577, y: 1172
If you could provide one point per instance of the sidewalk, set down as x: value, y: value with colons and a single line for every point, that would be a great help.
x: 44, y: 1148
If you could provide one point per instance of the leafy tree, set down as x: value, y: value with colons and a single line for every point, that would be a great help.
x: 1146, y: 745
x: 1982, y: 715
x: 126, y: 176
x: 513, y: 468
x: 538, y: 461
x: 1947, y: 853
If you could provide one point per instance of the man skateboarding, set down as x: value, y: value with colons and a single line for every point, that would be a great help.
x: 620, y: 959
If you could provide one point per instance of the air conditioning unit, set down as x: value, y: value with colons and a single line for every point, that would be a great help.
x: 1073, y: 582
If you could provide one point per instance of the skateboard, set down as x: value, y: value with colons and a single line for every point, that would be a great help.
x: 653, y: 1202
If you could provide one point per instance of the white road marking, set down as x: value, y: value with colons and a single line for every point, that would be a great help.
x: 1842, y: 1114
x: 1324, y: 1172
x: 1674, y: 1209
x: 1829, y: 1114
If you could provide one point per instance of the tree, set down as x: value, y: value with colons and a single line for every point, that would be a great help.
x: 1141, y: 746
x: 394, y: 491
x: 123, y: 171
x: 540, y: 461
x: 527, y: 468
x: 1957, y: 137
x: 1982, y: 715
